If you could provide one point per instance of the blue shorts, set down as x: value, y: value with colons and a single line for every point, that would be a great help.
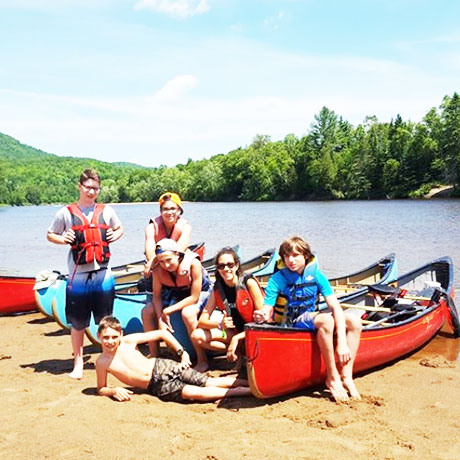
x: 305, y: 321
x: 90, y: 292
x: 172, y: 296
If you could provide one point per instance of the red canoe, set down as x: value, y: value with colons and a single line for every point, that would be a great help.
x: 282, y: 360
x: 16, y: 294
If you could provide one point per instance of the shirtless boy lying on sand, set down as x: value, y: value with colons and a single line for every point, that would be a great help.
x: 167, y: 379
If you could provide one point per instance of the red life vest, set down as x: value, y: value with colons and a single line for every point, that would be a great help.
x: 160, y: 229
x: 90, y: 237
x: 244, y: 301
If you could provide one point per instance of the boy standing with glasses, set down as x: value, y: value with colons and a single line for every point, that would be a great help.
x: 89, y: 228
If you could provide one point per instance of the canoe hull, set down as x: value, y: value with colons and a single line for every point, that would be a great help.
x: 282, y: 362
x: 16, y: 294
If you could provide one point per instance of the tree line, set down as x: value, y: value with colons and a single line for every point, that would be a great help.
x: 334, y: 160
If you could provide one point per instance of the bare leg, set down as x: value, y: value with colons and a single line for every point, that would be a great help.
x: 78, y: 338
x: 207, y: 339
x: 325, y: 336
x: 226, y: 382
x: 204, y: 394
x: 190, y: 318
x: 354, y: 327
x: 150, y: 323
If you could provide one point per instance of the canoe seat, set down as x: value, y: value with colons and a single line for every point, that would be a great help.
x: 384, y: 289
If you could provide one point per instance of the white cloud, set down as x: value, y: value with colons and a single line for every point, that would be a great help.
x: 175, y: 88
x: 176, y: 8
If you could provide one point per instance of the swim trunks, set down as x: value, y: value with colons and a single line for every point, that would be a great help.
x: 169, y: 378
x: 305, y: 321
x: 89, y: 292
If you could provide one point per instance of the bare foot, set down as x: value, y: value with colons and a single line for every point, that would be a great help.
x: 349, y: 384
x: 77, y: 373
x: 201, y: 367
x: 337, y: 390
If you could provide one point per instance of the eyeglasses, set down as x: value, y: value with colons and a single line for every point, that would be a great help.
x: 169, y: 209
x: 228, y: 264
x: 94, y: 189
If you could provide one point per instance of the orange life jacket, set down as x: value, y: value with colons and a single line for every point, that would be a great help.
x: 90, y: 237
x: 160, y: 229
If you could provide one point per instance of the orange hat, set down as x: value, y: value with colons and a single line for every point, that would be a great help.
x: 174, y: 197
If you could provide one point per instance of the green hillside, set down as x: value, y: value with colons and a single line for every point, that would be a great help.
x: 333, y: 160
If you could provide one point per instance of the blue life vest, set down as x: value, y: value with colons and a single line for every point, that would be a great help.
x: 300, y: 294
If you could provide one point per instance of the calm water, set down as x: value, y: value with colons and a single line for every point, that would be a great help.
x: 345, y: 235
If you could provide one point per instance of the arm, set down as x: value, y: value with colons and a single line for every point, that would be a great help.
x: 197, y: 279
x: 115, y: 230
x: 271, y: 294
x: 256, y: 293
x: 343, y: 351
x: 159, y: 334
x: 114, y: 234
x: 163, y: 319
x: 119, y: 393
x: 68, y: 237
x: 233, y: 345
x: 204, y: 321
x: 149, y: 248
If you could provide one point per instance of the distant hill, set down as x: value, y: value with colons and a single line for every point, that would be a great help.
x: 31, y: 176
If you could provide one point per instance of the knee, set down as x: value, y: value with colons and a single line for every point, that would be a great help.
x: 353, y: 323
x: 325, y: 324
x: 189, y: 314
x: 198, y: 336
x: 148, y: 310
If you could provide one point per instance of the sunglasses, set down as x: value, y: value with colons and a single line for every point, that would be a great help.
x: 228, y: 264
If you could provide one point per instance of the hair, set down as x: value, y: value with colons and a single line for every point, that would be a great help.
x: 173, y: 197
x: 89, y: 174
x: 109, y: 321
x: 297, y: 244
x: 232, y: 252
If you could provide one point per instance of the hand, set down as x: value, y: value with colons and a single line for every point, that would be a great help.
x: 147, y: 269
x: 166, y: 320
x: 109, y: 235
x: 69, y: 236
x: 231, y: 352
x: 260, y: 316
x: 227, y: 323
x: 122, y: 394
x: 343, y: 354
x: 185, y: 360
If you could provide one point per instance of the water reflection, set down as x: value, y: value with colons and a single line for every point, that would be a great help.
x: 443, y: 344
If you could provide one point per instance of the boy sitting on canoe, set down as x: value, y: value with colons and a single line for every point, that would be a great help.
x: 300, y: 283
x: 164, y: 378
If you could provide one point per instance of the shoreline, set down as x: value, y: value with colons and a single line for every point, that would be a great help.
x: 406, y: 412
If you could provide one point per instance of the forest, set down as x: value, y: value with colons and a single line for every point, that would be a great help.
x: 333, y: 160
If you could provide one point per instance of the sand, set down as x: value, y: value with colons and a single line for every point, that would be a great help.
x: 410, y: 410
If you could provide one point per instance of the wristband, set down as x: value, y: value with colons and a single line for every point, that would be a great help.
x: 180, y: 352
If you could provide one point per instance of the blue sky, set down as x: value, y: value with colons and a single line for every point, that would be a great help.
x: 160, y: 81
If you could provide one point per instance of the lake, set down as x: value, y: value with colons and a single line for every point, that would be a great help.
x: 346, y: 235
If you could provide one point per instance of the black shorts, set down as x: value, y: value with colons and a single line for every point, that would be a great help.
x: 90, y: 292
x: 169, y: 378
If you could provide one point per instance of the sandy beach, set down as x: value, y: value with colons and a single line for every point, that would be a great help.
x: 409, y: 411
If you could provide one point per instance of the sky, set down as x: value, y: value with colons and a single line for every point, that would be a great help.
x: 158, y: 82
